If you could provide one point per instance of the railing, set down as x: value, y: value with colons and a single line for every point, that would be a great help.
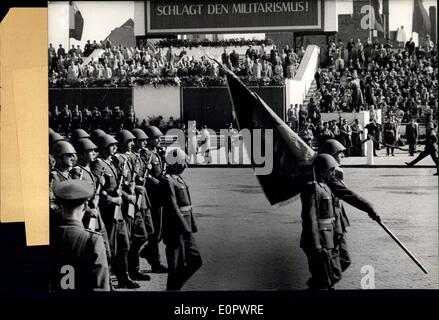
x: 297, y: 88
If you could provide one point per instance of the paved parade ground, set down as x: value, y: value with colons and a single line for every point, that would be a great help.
x: 248, y: 245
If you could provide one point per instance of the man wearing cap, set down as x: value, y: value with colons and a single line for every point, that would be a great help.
x: 182, y: 254
x: 151, y: 251
x: 132, y: 214
x: 77, y: 250
x: 87, y: 153
x: 110, y: 203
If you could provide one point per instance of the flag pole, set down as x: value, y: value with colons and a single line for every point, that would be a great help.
x: 403, y: 247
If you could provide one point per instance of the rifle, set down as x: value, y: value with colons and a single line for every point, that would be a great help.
x: 131, y: 207
x: 145, y: 174
x: 118, y: 209
x: 95, y: 201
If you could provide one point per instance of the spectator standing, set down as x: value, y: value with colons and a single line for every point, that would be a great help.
x: 411, y: 134
x: 346, y: 136
x: 357, y: 131
x: 76, y: 118
x: 389, y: 136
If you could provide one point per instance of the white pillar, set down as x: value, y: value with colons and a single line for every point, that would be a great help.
x: 369, y: 151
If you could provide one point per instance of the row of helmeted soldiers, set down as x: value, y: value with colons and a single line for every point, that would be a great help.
x: 112, y: 200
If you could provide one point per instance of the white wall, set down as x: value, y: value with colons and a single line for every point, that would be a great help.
x: 297, y: 88
x: 151, y: 101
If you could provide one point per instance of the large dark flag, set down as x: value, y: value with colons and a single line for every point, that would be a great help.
x: 292, y: 157
x: 76, y: 24
x: 421, y: 19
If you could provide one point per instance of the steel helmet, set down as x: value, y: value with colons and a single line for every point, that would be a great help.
x: 175, y: 155
x: 124, y: 136
x: 331, y: 146
x: 139, y: 134
x: 153, y: 132
x: 105, y: 140
x: 83, y: 145
x: 324, y: 162
x: 63, y: 147
x: 79, y: 134
x: 54, y: 137
x: 96, y: 134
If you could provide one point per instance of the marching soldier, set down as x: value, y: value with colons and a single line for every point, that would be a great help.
x: 143, y: 201
x: 178, y: 223
x: 342, y: 192
x: 132, y: 214
x: 75, y: 246
x: 76, y: 118
x: 54, y: 137
x: 87, y: 153
x: 318, y: 239
x: 152, y: 154
x: 110, y: 203
x: 65, y: 158
x: 431, y: 148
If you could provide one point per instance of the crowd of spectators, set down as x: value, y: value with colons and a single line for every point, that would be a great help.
x: 120, y: 66
x: 401, y: 82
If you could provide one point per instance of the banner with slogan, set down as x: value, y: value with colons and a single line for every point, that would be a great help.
x: 175, y: 16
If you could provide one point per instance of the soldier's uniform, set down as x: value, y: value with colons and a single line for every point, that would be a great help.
x: 96, y: 119
x: 107, y: 119
x: 319, y: 238
x: 130, y: 120
x: 133, y: 215
x: 73, y: 245
x: 152, y: 184
x: 115, y: 226
x: 76, y: 119
x: 65, y: 121
x: 85, y: 174
x: 431, y: 148
x: 118, y: 119
x: 87, y: 120
x: 178, y: 226
x: 341, y: 192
